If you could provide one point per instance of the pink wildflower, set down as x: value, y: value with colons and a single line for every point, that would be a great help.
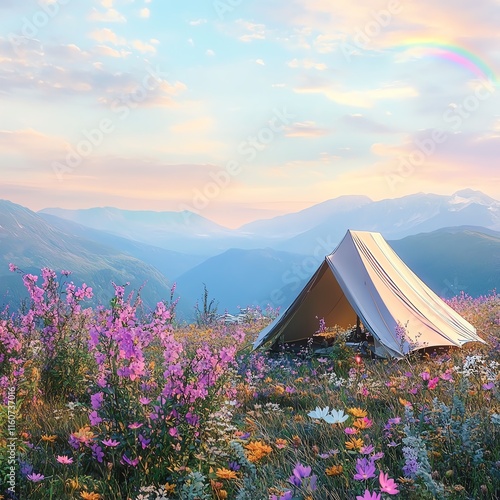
x: 132, y: 463
x: 110, y: 442
x: 433, y: 383
x: 350, y: 430
x: 135, y: 425
x: 387, y: 484
x: 369, y: 496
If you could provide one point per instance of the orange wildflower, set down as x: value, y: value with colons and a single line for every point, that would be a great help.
x: 49, y: 439
x: 83, y: 435
x: 226, y: 474
x: 169, y: 488
x: 334, y: 470
x: 357, y: 412
x: 279, y: 390
x: 363, y: 423
x: 257, y: 450
x: 90, y: 496
x: 354, y: 444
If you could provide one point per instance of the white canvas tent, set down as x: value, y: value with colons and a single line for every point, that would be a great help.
x: 363, y: 277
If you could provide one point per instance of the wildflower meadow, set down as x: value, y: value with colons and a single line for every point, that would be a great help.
x: 120, y: 402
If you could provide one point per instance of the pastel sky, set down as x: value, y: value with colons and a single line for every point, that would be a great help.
x: 240, y: 109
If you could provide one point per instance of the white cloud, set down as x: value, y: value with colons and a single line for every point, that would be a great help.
x: 210, y: 53
x: 104, y: 50
x: 306, y: 64
x: 363, y: 98
x: 325, y: 44
x: 106, y: 35
x: 143, y: 46
x: 145, y: 13
x: 260, y: 61
x: 253, y: 31
x: 197, y: 22
x: 305, y: 129
x: 109, y: 16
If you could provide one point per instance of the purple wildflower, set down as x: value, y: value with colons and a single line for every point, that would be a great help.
x: 365, y: 469
x: 35, y: 478
x: 369, y: 496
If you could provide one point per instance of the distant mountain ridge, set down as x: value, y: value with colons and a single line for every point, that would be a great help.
x: 299, y: 232
x: 454, y: 260
x: 161, y: 229
x: 30, y: 242
x: 291, y: 224
x: 401, y: 217
x: 170, y: 263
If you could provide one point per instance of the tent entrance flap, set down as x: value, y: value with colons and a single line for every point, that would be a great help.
x: 324, y: 300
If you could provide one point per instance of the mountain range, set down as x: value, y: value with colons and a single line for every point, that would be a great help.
x: 299, y: 232
x: 30, y: 242
x: 451, y: 242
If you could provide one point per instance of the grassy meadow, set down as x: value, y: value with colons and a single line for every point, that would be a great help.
x: 120, y: 403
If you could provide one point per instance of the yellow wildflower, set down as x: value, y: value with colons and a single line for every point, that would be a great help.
x: 363, y: 423
x: 169, y: 488
x: 257, y: 450
x: 222, y: 494
x: 73, y: 483
x: 226, y: 474
x: 357, y: 412
x: 90, y: 496
x: 334, y: 470
x: 49, y: 439
x: 296, y: 441
x: 354, y: 444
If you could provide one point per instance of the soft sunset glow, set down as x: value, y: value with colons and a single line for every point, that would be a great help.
x: 245, y: 110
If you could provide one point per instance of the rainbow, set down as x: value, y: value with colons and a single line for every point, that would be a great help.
x: 454, y: 53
